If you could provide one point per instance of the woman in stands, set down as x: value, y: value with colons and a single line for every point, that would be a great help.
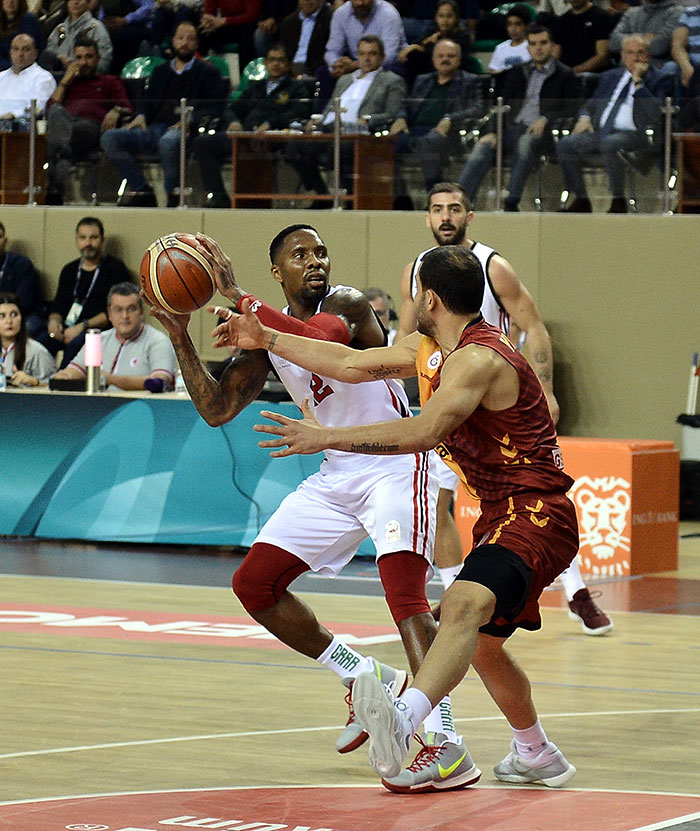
x: 25, y: 362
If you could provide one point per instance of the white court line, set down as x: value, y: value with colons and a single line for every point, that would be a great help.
x: 286, y: 731
x: 667, y: 823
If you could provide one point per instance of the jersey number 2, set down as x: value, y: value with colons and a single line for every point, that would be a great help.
x: 319, y: 389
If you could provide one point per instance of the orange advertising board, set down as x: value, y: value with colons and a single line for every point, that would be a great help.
x: 626, y: 496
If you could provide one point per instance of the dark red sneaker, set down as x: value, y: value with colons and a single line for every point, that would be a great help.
x: 593, y: 620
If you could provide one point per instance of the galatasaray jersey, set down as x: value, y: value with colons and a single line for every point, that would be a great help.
x: 498, y: 453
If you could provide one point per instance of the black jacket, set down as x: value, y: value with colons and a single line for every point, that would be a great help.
x: 290, y: 32
x: 204, y: 89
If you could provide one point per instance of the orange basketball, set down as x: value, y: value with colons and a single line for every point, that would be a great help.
x: 175, y: 276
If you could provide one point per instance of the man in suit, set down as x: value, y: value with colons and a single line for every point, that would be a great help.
x: 429, y: 122
x: 370, y: 97
x: 625, y: 103
x: 158, y: 123
x: 304, y: 34
x: 539, y: 92
x: 272, y: 103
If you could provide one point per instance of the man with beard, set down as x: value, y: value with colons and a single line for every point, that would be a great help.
x: 508, y: 305
x: 319, y: 526
x: 81, y: 297
x: 158, y: 123
x: 84, y: 104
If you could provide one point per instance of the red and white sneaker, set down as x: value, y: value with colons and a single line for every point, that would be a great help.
x: 594, y: 621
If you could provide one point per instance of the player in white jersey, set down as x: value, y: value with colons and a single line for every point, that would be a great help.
x: 319, y: 526
x: 508, y: 305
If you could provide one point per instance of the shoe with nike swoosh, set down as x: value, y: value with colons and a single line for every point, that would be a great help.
x: 394, y: 681
x: 440, y: 765
x: 550, y: 768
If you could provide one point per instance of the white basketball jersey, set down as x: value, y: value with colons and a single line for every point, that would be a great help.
x: 491, y: 308
x: 338, y: 404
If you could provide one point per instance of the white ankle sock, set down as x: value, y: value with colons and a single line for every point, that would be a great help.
x: 448, y: 574
x: 529, y: 743
x: 441, y: 720
x: 343, y: 660
x: 416, y: 707
x: 571, y: 580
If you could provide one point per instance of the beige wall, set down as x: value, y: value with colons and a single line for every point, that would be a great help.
x: 619, y: 294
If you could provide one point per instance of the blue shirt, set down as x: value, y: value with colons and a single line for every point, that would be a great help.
x: 690, y: 19
x: 307, y: 27
x: 347, y: 29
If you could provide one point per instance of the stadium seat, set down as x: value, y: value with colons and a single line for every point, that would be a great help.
x: 254, y: 71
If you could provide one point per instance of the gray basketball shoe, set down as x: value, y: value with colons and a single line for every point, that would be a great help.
x: 440, y: 765
x: 550, y: 768
x: 394, y: 680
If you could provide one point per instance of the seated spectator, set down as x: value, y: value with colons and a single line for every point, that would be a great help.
x: 83, y: 105
x: 685, y: 48
x: 81, y: 296
x: 417, y: 58
x: 370, y: 99
x: 230, y: 21
x: 581, y: 37
x: 272, y: 103
x: 267, y: 28
x: 419, y: 17
x: 626, y: 102
x: 61, y: 42
x: 655, y: 20
x: 383, y: 307
x: 135, y: 355
x: 158, y: 123
x: 304, y: 34
x: 24, y: 81
x: 24, y: 362
x: 539, y: 92
x: 430, y: 120
x: 349, y: 23
x: 15, y: 19
x: 513, y: 51
x: 19, y: 278
x: 129, y: 25
x: 168, y: 15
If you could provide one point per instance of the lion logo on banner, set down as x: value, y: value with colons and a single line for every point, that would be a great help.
x: 603, y: 504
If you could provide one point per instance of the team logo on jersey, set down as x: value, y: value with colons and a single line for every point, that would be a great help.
x: 603, y: 506
x: 255, y: 305
x: 392, y: 531
x: 435, y: 360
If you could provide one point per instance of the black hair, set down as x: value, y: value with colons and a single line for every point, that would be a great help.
x: 124, y: 289
x: 455, y: 274
x: 278, y: 46
x: 449, y: 187
x: 21, y: 342
x: 538, y: 29
x: 91, y: 220
x: 279, y: 239
x: 522, y: 11
x: 373, y: 39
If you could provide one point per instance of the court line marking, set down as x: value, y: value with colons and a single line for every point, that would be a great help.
x: 292, y: 730
x: 668, y: 823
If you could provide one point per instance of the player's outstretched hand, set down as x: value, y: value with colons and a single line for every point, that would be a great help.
x: 223, y: 268
x: 244, y: 330
x: 174, y: 324
x: 301, y: 436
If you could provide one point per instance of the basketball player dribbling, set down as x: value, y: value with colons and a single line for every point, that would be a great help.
x: 320, y: 525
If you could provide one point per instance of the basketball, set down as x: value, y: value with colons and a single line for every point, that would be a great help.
x: 175, y: 276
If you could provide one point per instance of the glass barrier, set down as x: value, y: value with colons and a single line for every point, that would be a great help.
x: 220, y: 154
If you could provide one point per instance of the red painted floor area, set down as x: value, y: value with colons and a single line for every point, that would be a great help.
x: 351, y: 809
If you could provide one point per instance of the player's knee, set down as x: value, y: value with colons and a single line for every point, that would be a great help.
x: 264, y: 575
x: 467, y: 604
x: 403, y: 578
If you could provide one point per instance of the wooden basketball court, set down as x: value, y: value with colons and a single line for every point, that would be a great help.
x: 137, y: 695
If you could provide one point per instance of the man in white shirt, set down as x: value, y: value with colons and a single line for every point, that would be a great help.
x: 513, y: 51
x: 24, y: 80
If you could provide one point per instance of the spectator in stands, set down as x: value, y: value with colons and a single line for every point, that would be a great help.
x: 129, y: 25
x: 625, y: 104
x: 655, y: 20
x: 15, y: 19
x: 267, y: 29
x: 158, y: 123
x: 19, y: 277
x: 417, y: 58
x: 83, y: 105
x: 79, y: 22
x: 135, y: 355
x: 230, y: 21
x: 685, y: 48
x: 24, y: 81
x: 581, y: 37
x: 167, y: 16
x: 383, y: 307
x: 272, y: 103
x: 23, y: 361
x: 513, y: 51
x: 430, y: 120
x: 370, y: 99
x: 539, y: 93
x: 81, y: 296
x: 349, y: 23
x: 419, y: 16
x: 304, y: 34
